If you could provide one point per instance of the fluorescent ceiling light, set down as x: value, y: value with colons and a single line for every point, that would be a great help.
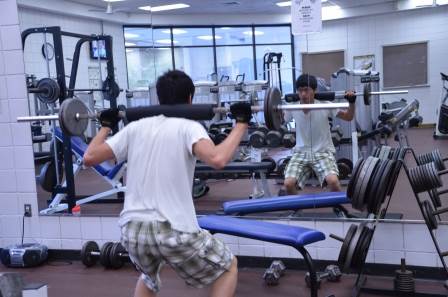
x: 225, y: 28
x: 288, y: 3
x: 166, y: 41
x: 128, y: 50
x: 175, y: 31
x: 442, y: 2
x: 129, y: 44
x: 331, y: 12
x: 131, y: 35
x: 113, y: 0
x: 208, y: 37
x: 255, y: 32
x: 164, y: 7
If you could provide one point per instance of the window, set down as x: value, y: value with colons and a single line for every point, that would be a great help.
x: 202, y: 51
x: 145, y: 65
x: 196, y: 61
x: 323, y: 64
x: 235, y: 60
x: 405, y: 65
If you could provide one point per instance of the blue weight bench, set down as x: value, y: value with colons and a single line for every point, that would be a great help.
x: 111, y: 173
x: 293, y: 202
x: 296, y: 237
x: 249, y: 168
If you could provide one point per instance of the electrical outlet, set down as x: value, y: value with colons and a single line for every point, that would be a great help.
x: 27, y: 210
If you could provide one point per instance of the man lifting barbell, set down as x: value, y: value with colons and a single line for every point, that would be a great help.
x: 158, y: 221
x: 314, y: 148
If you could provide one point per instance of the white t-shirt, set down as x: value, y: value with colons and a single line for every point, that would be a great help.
x: 313, y: 129
x: 160, y: 170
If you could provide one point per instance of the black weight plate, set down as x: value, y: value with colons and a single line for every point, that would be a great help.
x: 115, y: 259
x: 353, y: 179
x: 358, y: 199
x: 362, y: 248
x: 68, y: 111
x: 104, y: 254
x: 396, y: 154
x: 403, y: 152
x: 435, y: 198
x: 367, y: 182
x: 345, y: 245
x: 413, y: 179
x: 438, y: 159
x: 111, y: 90
x: 366, y: 177
x: 428, y: 215
x: 272, y: 161
x: 381, y: 151
x: 352, y: 247
x: 433, y: 178
x: 86, y: 253
x: 388, y: 180
x: 263, y: 129
x: 273, y: 117
x: 385, y: 153
x: 257, y: 139
x: 347, y: 162
x: 274, y: 139
x: 394, y: 175
x: 50, y: 88
x: 366, y: 95
x: 423, y: 179
x: 344, y: 170
x: 375, y: 187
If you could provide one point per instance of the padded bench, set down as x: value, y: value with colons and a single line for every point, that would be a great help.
x: 293, y: 236
x: 293, y: 202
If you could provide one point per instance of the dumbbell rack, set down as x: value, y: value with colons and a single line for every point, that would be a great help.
x: 362, y: 278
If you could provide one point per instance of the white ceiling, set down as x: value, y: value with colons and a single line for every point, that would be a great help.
x: 219, y: 6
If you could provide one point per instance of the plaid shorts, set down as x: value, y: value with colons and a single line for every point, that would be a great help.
x: 198, y: 258
x: 302, y: 163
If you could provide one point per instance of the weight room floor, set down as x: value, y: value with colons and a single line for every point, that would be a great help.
x: 75, y: 280
x: 403, y: 201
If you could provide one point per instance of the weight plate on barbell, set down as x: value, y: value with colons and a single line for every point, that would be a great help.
x: 366, y: 95
x: 49, y: 90
x: 345, y: 245
x: 111, y: 90
x: 68, y: 112
x: 428, y: 215
x: 115, y: 255
x: 272, y: 115
x: 86, y: 253
x: 104, y: 254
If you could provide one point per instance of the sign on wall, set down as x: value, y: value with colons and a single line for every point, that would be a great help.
x: 306, y: 16
x: 366, y: 62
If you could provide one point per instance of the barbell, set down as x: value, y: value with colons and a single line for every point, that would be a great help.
x: 74, y: 115
x: 48, y: 90
x: 330, y: 96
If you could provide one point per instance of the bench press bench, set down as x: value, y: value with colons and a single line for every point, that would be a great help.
x: 292, y: 202
x: 293, y: 236
x: 238, y: 168
x: 111, y: 173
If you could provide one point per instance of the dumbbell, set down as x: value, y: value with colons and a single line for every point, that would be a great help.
x: 274, y: 138
x: 332, y: 273
x: 257, y: 139
x: 336, y: 135
x: 433, y: 156
x: 425, y: 177
x: 117, y: 256
x: 289, y: 140
x: 272, y: 274
x: 91, y: 253
x: 281, y: 166
x: 345, y: 167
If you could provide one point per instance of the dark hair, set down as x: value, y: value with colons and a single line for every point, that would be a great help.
x: 306, y: 80
x: 174, y: 87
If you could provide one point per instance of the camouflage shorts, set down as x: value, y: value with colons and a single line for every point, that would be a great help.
x: 198, y: 258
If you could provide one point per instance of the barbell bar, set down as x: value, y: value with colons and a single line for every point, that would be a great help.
x: 74, y: 115
x: 48, y: 90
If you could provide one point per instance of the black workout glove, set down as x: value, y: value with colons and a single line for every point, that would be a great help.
x: 350, y: 96
x: 241, y: 112
x: 109, y: 117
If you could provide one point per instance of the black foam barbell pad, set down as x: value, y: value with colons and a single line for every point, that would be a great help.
x: 198, y: 112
